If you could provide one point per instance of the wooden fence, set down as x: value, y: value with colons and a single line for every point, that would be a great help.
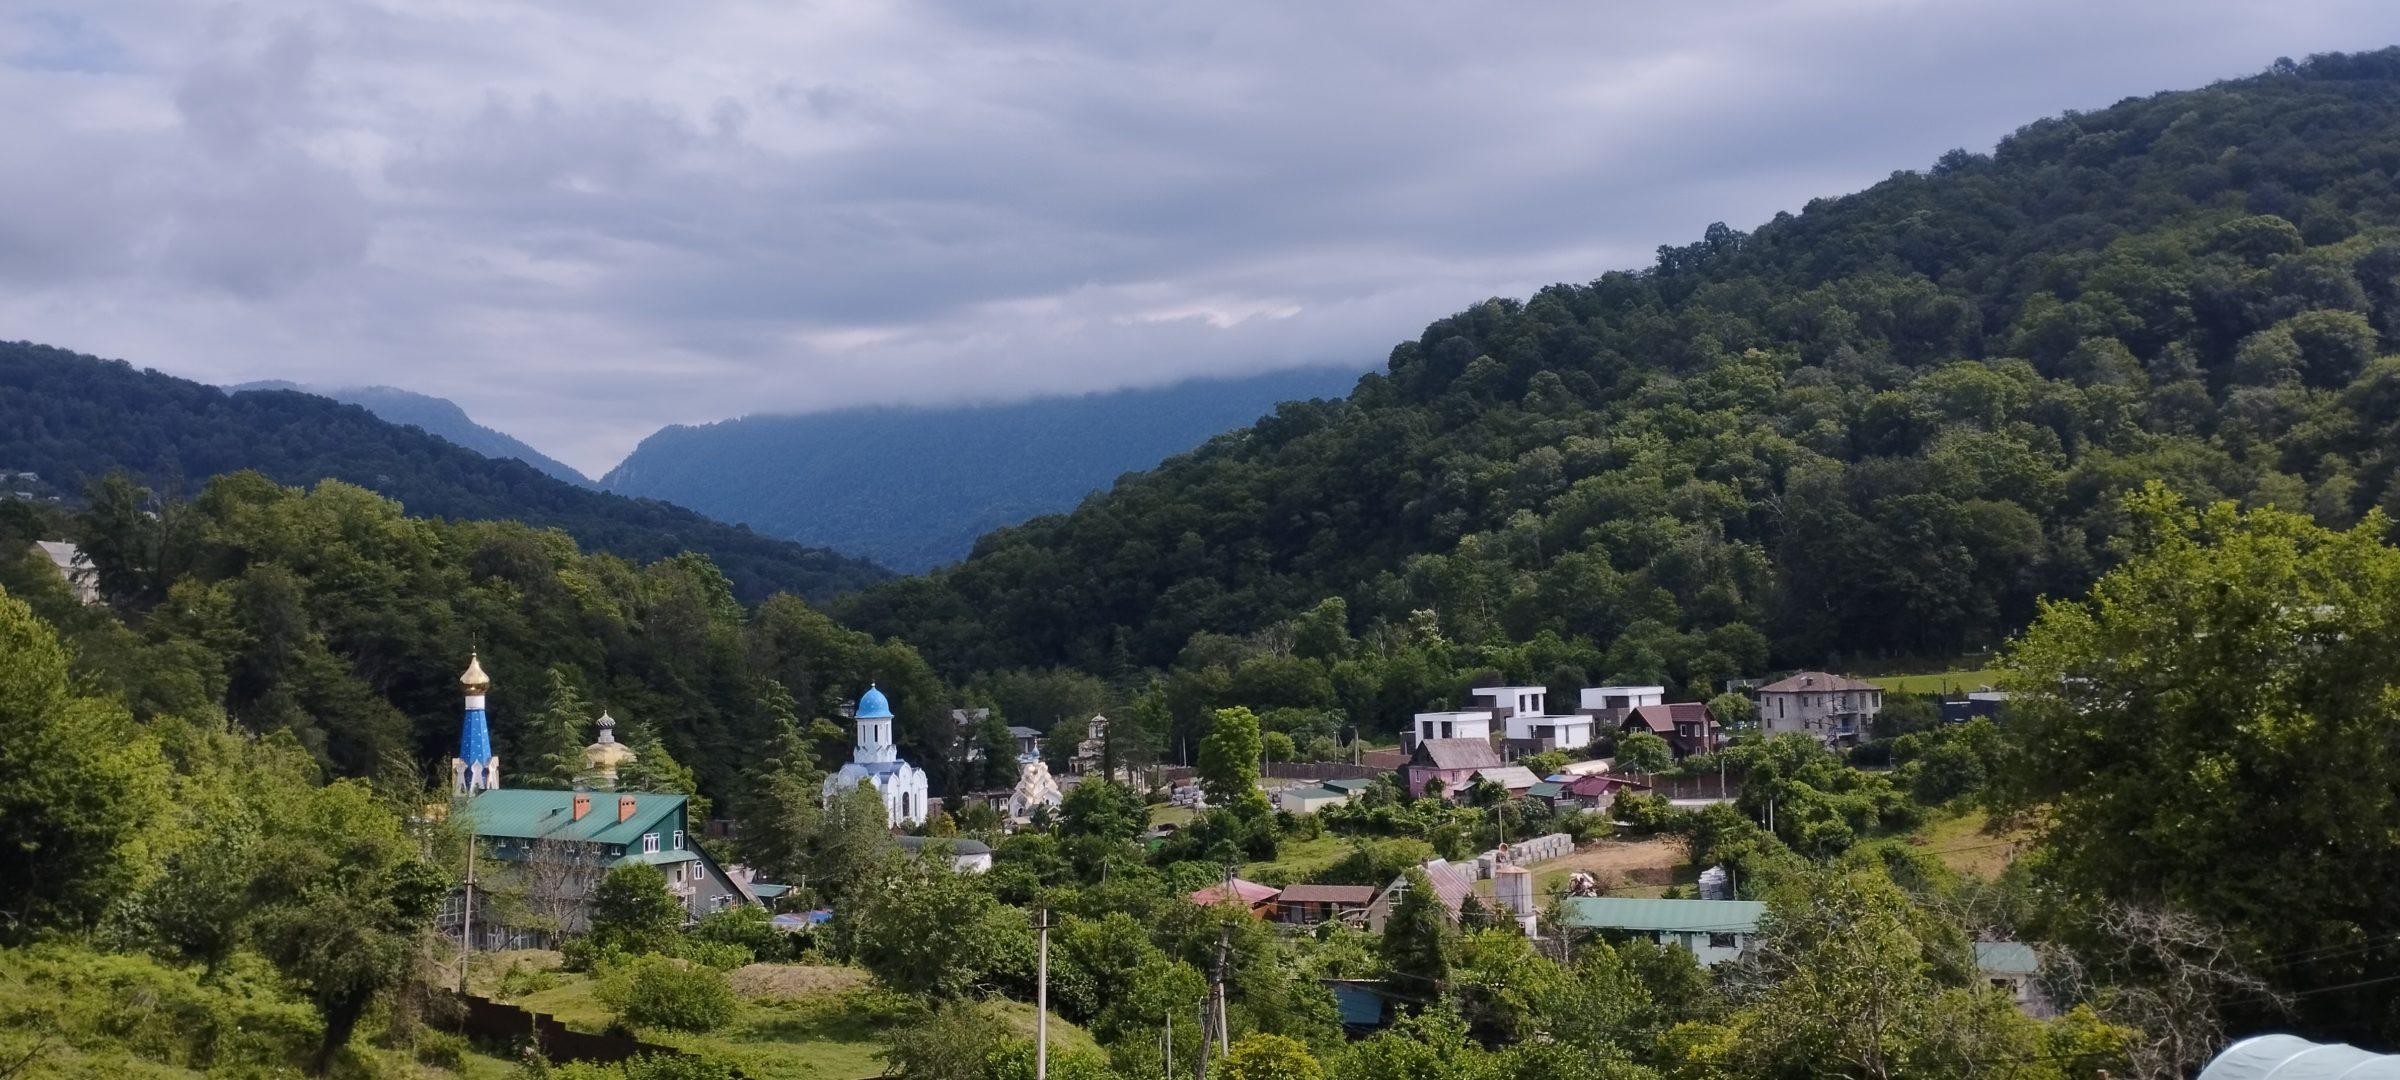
x: 498, y: 1023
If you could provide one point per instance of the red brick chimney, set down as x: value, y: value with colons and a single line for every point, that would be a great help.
x: 583, y: 805
x: 624, y: 808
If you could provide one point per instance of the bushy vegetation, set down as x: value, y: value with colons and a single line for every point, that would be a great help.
x: 655, y: 991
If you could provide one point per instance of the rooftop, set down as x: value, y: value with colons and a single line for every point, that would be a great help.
x: 1627, y: 913
x: 1459, y: 753
x: 536, y: 814
x: 1328, y: 894
x: 1815, y: 682
x: 2006, y: 958
x: 1250, y: 892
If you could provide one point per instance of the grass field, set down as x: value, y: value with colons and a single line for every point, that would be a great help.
x: 797, y: 1023
x: 1966, y: 844
x: 1940, y: 682
x: 1297, y: 860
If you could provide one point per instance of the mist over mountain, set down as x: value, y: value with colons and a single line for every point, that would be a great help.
x: 437, y: 416
x: 912, y: 488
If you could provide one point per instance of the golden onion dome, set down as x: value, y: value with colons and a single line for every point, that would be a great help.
x: 474, y: 681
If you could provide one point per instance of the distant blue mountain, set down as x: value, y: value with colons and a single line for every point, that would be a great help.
x: 911, y: 488
x: 439, y: 417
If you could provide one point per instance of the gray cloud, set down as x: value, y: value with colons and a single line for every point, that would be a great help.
x: 583, y: 220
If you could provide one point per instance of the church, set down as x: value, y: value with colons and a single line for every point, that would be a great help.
x: 875, y: 760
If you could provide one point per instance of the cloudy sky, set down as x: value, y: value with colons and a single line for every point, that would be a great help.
x: 585, y: 219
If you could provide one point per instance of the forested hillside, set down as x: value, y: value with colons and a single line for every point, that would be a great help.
x: 911, y: 488
x: 1882, y: 426
x: 74, y: 418
x: 437, y: 416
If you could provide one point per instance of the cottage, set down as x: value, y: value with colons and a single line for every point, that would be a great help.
x: 1452, y: 884
x: 1260, y: 899
x: 1687, y: 726
x: 1450, y: 763
x: 1835, y: 710
x: 1713, y: 931
x: 1595, y: 792
x: 1312, y: 904
x: 1517, y: 780
x: 2014, y: 966
x: 967, y: 855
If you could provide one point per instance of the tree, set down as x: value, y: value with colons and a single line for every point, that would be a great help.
x: 2210, y: 700
x: 927, y: 929
x: 549, y: 749
x: 1643, y: 752
x: 343, y: 900
x: 1417, y: 938
x: 955, y: 1040
x: 658, y: 991
x: 1103, y: 808
x: 848, y: 844
x: 1270, y: 1057
x: 633, y: 912
x: 1229, y: 758
x: 1844, y: 979
x: 81, y: 787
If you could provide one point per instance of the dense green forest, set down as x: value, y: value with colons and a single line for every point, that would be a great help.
x: 1879, y: 427
x: 74, y: 418
x: 436, y: 416
x: 331, y: 615
x: 911, y: 488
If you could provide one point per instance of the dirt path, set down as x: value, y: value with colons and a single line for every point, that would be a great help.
x: 1617, y: 863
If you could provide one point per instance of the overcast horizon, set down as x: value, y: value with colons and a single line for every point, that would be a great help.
x: 584, y: 222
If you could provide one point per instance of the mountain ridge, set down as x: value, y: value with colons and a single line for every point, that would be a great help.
x: 73, y: 417
x: 913, y: 487
x: 436, y: 416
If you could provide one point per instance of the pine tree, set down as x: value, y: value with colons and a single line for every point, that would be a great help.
x: 1416, y: 940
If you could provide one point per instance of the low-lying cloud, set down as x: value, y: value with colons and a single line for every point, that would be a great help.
x: 584, y: 220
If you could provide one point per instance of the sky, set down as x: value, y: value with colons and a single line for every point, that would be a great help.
x: 586, y: 219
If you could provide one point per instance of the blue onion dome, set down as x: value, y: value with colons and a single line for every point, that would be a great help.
x: 871, y: 705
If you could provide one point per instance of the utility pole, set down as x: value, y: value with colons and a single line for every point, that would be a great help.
x: 1201, y: 1073
x: 1224, y: 1029
x: 1041, y: 1001
x: 466, y: 926
x: 1166, y: 1044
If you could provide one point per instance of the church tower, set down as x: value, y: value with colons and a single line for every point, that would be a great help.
x: 874, y: 729
x: 475, y: 768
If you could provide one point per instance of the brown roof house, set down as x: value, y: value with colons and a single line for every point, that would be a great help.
x: 1260, y: 899
x: 1687, y: 726
x: 1452, y: 763
x: 1311, y: 904
x: 1836, y: 710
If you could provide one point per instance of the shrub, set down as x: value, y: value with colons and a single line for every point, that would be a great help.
x: 656, y: 991
x: 749, y: 927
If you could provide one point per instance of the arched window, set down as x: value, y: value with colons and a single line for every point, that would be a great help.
x: 907, y: 809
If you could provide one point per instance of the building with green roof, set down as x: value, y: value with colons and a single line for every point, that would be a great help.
x: 1713, y: 931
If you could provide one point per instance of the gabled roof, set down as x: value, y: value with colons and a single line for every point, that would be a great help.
x: 535, y: 814
x: 1251, y: 893
x: 1023, y: 732
x: 1457, y: 754
x: 1588, y: 787
x: 1512, y: 777
x: 1451, y: 883
x: 1544, y: 790
x: 1626, y: 913
x: 1661, y: 719
x: 1328, y: 894
x: 1815, y: 682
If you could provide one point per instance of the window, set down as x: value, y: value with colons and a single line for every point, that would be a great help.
x: 649, y: 842
x: 679, y: 839
x: 679, y: 875
x: 1717, y: 940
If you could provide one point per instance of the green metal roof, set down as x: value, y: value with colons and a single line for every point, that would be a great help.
x: 663, y: 857
x: 2006, y: 958
x: 1627, y: 913
x: 1350, y: 785
x: 534, y: 814
x: 1544, y: 790
x: 1315, y: 792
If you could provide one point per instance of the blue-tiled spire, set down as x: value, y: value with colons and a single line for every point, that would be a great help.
x: 475, y: 769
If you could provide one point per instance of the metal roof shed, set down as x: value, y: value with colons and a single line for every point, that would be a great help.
x: 2289, y: 1057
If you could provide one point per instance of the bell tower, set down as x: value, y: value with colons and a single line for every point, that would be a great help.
x: 475, y: 768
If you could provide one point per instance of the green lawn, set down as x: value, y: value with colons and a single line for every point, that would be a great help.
x: 813, y: 1037
x: 1940, y: 682
x: 1299, y: 860
x: 1965, y: 844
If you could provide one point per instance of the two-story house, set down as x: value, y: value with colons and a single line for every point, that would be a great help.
x: 1609, y: 704
x: 1688, y: 726
x: 1837, y: 711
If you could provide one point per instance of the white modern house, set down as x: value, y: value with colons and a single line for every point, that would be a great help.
x: 1835, y: 709
x: 1460, y: 724
x: 1611, y: 703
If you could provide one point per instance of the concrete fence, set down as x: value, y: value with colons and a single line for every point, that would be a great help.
x: 1525, y: 852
